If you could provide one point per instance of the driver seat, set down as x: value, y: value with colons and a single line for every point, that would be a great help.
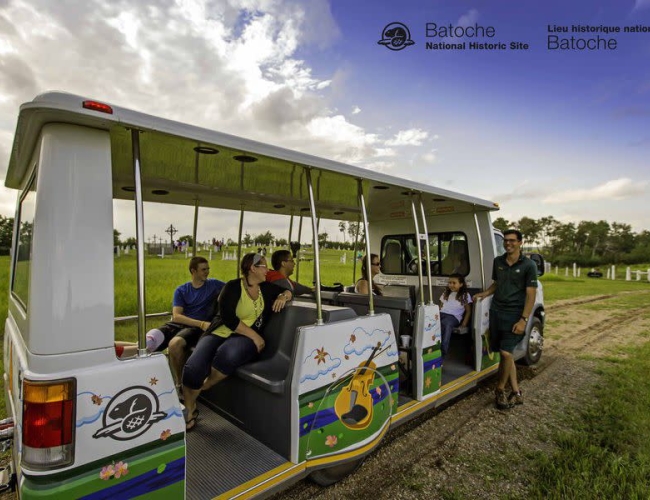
x: 392, y: 261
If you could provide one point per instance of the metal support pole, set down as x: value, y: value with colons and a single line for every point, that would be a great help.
x: 312, y: 205
x: 356, y: 242
x: 290, y: 231
x: 417, y: 243
x: 299, y: 236
x: 196, y: 225
x: 480, y: 250
x: 241, y: 227
x: 426, y: 233
x: 362, y: 203
x: 139, y: 236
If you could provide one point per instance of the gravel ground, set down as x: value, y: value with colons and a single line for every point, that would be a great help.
x: 471, y: 450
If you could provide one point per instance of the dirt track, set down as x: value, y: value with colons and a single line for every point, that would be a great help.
x: 470, y: 449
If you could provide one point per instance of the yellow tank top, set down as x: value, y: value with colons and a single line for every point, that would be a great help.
x: 248, y: 310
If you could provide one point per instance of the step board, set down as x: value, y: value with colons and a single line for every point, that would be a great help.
x: 220, y: 457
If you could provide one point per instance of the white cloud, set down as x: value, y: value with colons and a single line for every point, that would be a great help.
x: 468, y: 19
x: 356, y: 110
x: 410, y: 137
x: 617, y: 189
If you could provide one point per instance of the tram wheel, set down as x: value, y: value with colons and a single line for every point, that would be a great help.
x: 331, y: 475
x: 535, y: 344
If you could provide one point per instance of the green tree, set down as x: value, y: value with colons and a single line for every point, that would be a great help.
x: 6, y: 231
x: 116, y: 238
x: 265, y: 239
x: 501, y: 224
x: 530, y: 229
x: 187, y: 238
x: 247, y: 240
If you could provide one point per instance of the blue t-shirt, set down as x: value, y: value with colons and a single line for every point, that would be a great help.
x: 197, y: 302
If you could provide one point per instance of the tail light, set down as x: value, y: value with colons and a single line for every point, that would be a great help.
x: 48, y: 423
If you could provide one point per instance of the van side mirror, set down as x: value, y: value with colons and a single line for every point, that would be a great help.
x: 539, y: 262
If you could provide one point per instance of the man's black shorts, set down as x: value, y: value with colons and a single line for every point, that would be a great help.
x: 501, y: 336
x: 171, y: 330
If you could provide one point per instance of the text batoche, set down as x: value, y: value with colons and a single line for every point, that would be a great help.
x: 451, y: 31
x: 559, y: 43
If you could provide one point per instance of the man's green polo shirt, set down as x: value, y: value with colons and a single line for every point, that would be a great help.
x: 512, y: 282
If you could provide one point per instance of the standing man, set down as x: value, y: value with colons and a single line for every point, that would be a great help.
x: 514, y: 287
x: 283, y: 264
x: 192, y: 312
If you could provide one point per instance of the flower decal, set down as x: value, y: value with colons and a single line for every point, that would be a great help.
x: 331, y: 441
x: 378, y: 390
x: 97, y: 400
x: 107, y: 472
x: 121, y: 469
x: 320, y: 355
x: 427, y: 382
x: 165, y: 434
x: 353, y: 337
x: 153, y: 381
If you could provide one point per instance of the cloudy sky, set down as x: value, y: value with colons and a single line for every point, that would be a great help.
x: 541, y: 131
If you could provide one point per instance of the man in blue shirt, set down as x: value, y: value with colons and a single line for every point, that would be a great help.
x: 192, y: 312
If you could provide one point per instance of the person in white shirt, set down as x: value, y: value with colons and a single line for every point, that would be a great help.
x: 455, y: 308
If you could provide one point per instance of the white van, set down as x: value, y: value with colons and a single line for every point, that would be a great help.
x: 90, y: 425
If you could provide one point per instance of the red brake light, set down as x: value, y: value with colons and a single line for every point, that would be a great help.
x: 98, y: 106
x: 48, y: 423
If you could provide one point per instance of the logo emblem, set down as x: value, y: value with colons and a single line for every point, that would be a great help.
x: 130, y: 414
x: 395, y: 36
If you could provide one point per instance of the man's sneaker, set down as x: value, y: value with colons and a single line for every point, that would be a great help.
x: 501, y: 400
x: 515, y: 398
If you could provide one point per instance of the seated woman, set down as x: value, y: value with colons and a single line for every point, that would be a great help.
x: 361, y: 286
x: 234, y: 337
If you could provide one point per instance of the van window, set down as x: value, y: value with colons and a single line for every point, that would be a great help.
x: 23, y: 251
x: 498, y: 240
x: 448, y: 252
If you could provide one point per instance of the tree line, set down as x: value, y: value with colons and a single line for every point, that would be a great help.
x: 587, y: 243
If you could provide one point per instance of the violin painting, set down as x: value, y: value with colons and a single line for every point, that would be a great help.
x: 354, y: 404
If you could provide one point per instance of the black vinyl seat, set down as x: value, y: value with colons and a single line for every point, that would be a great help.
x: 271, y: 371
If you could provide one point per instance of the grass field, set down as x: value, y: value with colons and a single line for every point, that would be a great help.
x: 605, y: 455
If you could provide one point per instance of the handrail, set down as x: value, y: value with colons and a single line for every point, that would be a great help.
x: 419, y: 247
x: 139, y: 235
x: 314, y: 224
x: 362, y: 202
x: 426, y: 232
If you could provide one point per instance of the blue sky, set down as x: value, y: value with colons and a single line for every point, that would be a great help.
x: 542, y: 132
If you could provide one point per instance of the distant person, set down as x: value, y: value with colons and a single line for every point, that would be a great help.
x: 283, y: 265
x: 514, y: 287
x: 361, y: 286
x: 235, y: 335
x: 192, y: 311
x: 455, y: 309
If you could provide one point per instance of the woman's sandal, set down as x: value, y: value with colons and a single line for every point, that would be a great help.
x: 191, y: 423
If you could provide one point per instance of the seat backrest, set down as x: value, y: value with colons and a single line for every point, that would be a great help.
x: 280, y: 333
x: 392, y: 261
x: 397, y: 307
x: 456, y: 259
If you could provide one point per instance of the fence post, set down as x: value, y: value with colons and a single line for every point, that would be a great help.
x: 613, y: 272
x: 628, y: 274
x: 609, y: 271
x: 648, y: 274
x: 578, y: 272
x: 574, y: 269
